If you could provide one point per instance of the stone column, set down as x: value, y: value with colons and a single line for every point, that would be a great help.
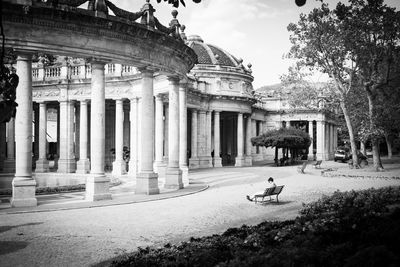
x: 209, y: 138
x: 83, y: 165
x: 201, y: 139
x: 119, y: 166
x: 23, y: 185
x: 42, y: 164
x: 194, y: 159
x: 9, y: 163
x: 311, y: 148
x: 320, y: 140
x: 159, y: 165
x: 331, y: 146
x: 183, y: 135
x: 133, y: 117
x: 97, y: 184
x: 166, y: 142
x: 334, y: 138
x: 240, y: 158
x: 147, y: 179
x: 326, y: 138
x: 217, y: 140
x: 249, y: 147
x: 253, y: 133
x: 66, y: 162
x: 174, y: 174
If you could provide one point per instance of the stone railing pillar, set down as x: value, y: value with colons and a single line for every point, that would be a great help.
x: 23, y: 185
x: 97, y: 184
x: 42, y: 164
x: 173, y: 179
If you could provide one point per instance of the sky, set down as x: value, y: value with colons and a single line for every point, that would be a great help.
x: 254, y: 30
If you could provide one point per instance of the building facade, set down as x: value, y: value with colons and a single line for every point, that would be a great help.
x: 206, y: 121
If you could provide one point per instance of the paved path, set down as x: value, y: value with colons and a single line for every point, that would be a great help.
x: 81, y: 237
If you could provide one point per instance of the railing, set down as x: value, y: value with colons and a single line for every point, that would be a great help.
x: 51, y: 73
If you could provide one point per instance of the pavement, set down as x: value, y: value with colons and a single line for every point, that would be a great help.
x: 70, y: 235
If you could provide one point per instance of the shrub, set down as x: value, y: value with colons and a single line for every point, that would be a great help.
x: 346, y: 229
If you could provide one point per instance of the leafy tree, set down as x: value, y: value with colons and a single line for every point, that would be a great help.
x: 371, y: 33
x: 287, y: 138
x: 317, y: 44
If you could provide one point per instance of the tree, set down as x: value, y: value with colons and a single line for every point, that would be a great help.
x: 317, y: 44
x: 175, y: 3
x: 371, y: 32
x: 287, y: 138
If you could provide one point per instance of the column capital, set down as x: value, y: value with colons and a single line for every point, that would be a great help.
x: 97, y: 62
x: 146, y: 71
x: 173, y: 79
x: 159, y: 97
x: 23, y: 55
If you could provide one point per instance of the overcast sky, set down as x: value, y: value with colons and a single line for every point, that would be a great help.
x: 254, y: 30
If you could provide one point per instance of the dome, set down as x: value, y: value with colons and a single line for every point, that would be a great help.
x: 211, y: 54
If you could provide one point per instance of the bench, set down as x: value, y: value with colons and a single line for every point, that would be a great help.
x: 317, y: 164
x: 302, y: 168
x: 271, y: 191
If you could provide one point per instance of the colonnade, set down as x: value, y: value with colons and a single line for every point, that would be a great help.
x: 97, y: 183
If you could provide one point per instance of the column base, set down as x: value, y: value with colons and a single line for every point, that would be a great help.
x: 119, y: 168
x: 23, y: 192
x: 205, y: 162
x: 239, y: 161
x: 194, y: 163
x: 97, y: 187
x: 133, y: 168
x: 248, y: 161
x: 9, y: 166
x: 217, y: 162
x: 83, y: 166
x: 66, y: 166
x: 160, y: 168
x: 42, y: 165
x: 147, y: 183
x: 185, y: 175
x: 173, y: 178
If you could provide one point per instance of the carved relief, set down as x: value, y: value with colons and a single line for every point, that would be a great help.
x: 45, y: 93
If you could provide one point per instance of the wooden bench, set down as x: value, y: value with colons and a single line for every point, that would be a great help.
x: 317, y: 164
x: 272, y: 191
x: 302, y: 168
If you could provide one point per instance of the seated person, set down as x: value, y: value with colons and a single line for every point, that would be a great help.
x: 271, y: 185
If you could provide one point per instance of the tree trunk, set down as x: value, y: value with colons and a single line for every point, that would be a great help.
x: 389, y: 146
x: 276, y: 156
x: 363, y: 149
x: 374, y: 138
x: 351, y: 134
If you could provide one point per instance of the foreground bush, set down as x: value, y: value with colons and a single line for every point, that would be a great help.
x: 346, y: 229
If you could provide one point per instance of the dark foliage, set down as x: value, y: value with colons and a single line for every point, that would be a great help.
x: 346, y: 229
x: 283, y: 138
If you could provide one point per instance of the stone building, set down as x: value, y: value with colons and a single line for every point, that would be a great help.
x: 214, y: 113
x: 139, y: 91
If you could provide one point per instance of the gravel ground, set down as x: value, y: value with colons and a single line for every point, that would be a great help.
x: 84, y: 237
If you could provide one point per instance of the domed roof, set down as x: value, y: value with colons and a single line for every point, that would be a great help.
x: 210, y: 54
